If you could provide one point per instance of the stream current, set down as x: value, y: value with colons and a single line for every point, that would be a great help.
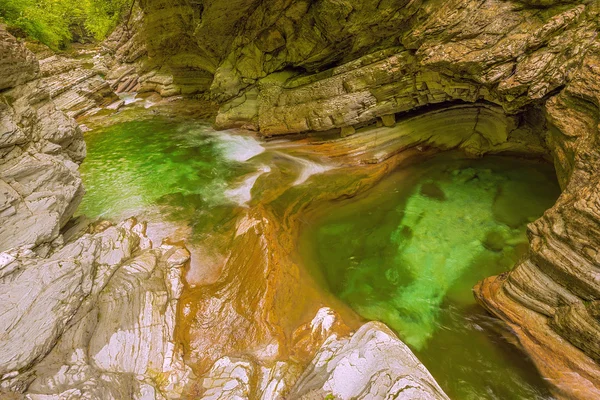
x: 406, y: 252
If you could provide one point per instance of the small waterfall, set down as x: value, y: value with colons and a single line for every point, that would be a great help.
x: 242, y: 194
x: 307, y: 169
x: 238, y: 147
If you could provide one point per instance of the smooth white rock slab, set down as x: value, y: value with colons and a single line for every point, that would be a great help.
x: 371, y: 364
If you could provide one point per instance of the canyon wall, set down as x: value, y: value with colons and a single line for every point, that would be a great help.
x: 92, y: 310
x: 287, y: 67
x: 40, y: 150
x: 293, y: 66
x: 273, y: 65
x: 62, y: 281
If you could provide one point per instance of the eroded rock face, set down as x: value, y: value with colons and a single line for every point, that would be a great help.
x: 40, y: 149
x: 372, y: 363
x: 61, y: 290
x: 271, y: 62
x: 94, y: 319
x: 121, y: 341
x: 294, y: 66
x: 41, y: 146
x: 76, y: 85
x: 281, y: 67
x: 550, y: 296
x: 17, y: 64
x: 40, y: 295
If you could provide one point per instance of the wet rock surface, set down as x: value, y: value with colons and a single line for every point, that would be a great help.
x: 92, y: 311
x: 373, y: 363
x: 106, y: 315
x: 360, y: 61
x: 550, y: 296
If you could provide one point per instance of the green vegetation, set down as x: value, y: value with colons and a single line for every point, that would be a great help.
x: 58, y: 22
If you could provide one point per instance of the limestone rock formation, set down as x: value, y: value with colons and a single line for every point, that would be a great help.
x: 286, y: 66
x: 76, y: 85
x: 372, y: 364
x: 276, y: 63
x: 95, y: 316
x: 39, y: 150
x: 121, y: 340
x: 40, y: 295
x: 94, y: 319
x: 40, y: 145
x: 62, y: 288
x: 550, y: 296
x: 94, y: 311
x: 133, y: 68
x: 18, y: 65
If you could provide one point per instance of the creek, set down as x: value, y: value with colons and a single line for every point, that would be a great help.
x: 405, y: 252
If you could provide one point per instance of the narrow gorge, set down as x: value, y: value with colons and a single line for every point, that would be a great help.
x: 303, y: 199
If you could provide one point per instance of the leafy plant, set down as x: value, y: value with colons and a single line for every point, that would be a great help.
x: 56, y: 22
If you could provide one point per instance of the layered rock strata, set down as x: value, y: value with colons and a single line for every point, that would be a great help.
x: 62, y: 288
x: 271, y: 66
x: 293, y: 66
x: 77, y: 86
x: 39, y: 150
x: 550, y: 297
x: 372, y: 348
x: 119, y: 341
x: 41, y: 145
x: 93, y: 312
x: 135, y: 65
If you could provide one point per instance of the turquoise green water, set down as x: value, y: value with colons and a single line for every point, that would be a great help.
x: 179, y: 166
x: 409, y: 251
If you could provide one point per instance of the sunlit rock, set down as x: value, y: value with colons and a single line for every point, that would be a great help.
x: 40, y: 296
x: 372, y: 364
x: 17, y: 64
x: 95, y: 317
x: 121, y: 339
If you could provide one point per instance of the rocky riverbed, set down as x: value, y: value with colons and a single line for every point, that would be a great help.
x: 211, y: 300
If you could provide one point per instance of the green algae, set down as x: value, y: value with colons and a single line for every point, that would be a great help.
x: 176, y: 164
x: 409, y: 251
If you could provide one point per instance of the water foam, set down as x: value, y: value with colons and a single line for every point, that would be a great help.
x: 239, y: 148
x: 308, y: 168
x: 242, y: 194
